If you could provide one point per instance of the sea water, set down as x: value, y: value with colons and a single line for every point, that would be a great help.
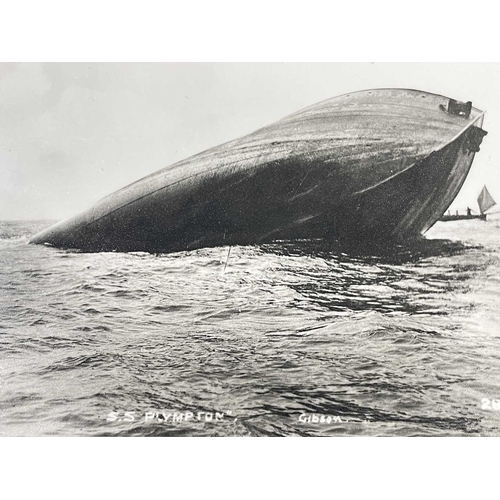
x: 288, y: 339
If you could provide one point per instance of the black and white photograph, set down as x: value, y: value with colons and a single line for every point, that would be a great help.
x: 249, y: 249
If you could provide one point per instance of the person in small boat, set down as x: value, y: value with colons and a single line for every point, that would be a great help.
x: 469, y: 212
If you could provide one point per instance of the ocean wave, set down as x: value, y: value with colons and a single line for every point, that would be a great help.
x: 395, y: 341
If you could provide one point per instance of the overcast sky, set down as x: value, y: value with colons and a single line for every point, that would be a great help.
x: 73, y: 133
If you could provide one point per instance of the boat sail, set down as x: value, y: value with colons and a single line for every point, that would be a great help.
x: 485, y: 200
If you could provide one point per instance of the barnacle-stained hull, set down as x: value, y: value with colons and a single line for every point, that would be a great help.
x: 369, y: 165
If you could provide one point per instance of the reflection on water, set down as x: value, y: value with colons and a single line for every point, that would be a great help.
x: 356, y: 280
x: 293, y: 338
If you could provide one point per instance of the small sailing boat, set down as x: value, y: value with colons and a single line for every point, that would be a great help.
x: 485, y: 201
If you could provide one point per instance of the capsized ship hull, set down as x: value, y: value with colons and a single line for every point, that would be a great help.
x: 375, y: 164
